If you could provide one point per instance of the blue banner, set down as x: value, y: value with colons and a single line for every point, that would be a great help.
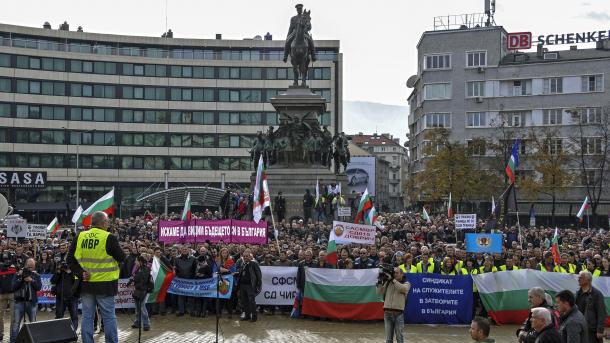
x: 44, y: 294
x: 202, y: 288
x: 484, y: 242
x: 439, y: 299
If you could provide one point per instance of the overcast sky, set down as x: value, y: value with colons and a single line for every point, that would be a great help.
x: 378, y: 37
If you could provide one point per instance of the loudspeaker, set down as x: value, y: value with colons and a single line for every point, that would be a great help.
x: 47, y: 331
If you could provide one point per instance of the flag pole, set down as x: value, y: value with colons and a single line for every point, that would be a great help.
x: 587, y: 217
x: 277, y: 241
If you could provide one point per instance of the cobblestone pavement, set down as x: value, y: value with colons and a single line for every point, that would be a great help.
x: 171, y: 329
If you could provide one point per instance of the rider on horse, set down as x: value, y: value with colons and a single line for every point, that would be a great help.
x: 294, y: 21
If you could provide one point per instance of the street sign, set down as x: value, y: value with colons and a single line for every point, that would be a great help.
x: 16, y: 227
x: 344, y: 211
x: 519, y: 40
x: 465, y: 221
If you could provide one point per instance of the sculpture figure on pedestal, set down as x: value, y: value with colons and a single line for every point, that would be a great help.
x: 300, y: 45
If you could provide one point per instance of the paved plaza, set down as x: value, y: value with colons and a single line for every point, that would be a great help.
x: 170, y: 329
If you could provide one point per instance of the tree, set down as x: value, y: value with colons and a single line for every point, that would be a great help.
x: 592, y: 151
x: 450, y: 169
x: 549, y: 159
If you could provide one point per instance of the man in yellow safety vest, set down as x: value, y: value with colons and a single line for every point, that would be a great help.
x: 95, y: 256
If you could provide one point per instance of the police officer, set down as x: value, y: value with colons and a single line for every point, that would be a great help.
x: 95, y: 256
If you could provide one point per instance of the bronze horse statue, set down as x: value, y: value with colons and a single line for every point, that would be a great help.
x: 299, y: 50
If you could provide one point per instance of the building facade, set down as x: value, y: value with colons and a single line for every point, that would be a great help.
x: 469, y: 83
x: 128, y: 110
x: 388, y: 149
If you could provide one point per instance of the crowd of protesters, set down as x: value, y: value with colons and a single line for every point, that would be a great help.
x: 403, y: 240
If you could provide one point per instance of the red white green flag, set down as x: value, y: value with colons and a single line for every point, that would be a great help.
x: 331, y: 253
x: 371, y: 216
x: 261, y: 196
x: 366, y: 203
x: 162, y: 276
x: 104, y: 204
x: 53, y: 227
x: 583, y: 209
x: 555, y: 247
x: 513, y: 162
x: 449, y: 208
x: 186, y: 211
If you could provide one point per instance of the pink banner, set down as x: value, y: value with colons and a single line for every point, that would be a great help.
x: 199, y: 231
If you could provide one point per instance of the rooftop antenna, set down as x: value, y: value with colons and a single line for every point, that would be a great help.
x: 490, y: 10
x: 166, y: 15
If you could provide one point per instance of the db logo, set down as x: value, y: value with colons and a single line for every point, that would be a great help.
x: 519, y: 40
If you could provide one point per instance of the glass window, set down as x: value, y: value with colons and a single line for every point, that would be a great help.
x: 437, y: 61
x: 5, y: 110
x: 198, y: 72
x: 176, y: 71
x: 87, y: 67
x: 187, y: 71
x: 76, y: 66
x: 208, y: 72
x: 127, y: 69
x: 176, y: 94
x: 127, y: 92
x: 271, y: 73
x: 109, y: 92
x: 138, y: 69
x: 282, y: 73
x: 59, y: 88
x: 187, y: 94
x: 76, y: 89
x: 476, y: 119
x: 160, y: 71
x: 99, y: 67
x: 87, y: 114
x: 110, y: 68
x: 87, y: 90
x: 23, y: 62
x: 149, y: 70
x: 5, y: 60
x: 47, y: 64
x: 138, y: 92
x: 35, y: 87
x: 59, y: 113
x: 437, y: 91
x: 5, y: 85
x: 149, y: 93
x: 47, y: 88
x: 35, y: 63
x: 476, y: 58
x: 272, y: 119
x: 223, y: 73
x: 475, y: 89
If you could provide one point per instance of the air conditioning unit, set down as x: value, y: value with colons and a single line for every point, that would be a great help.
x: 478, y: 100
x: 481, y: 69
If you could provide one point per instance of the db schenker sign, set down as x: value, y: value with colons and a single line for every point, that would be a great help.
x: 23, y: 179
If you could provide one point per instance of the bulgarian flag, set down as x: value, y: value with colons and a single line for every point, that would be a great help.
x: 504, y: 294
x: 555, y: 247
x: 162, y: 276
x: 342, y: 294
x: 104, y: 204
x: 425, y: 216
x: 53, y: 227
x: 513, y: 162
x: 331, y: 253
x: 186, y: 211
x: 365, y: 204
x: 371, y: 216
x: 449, y: 208
x: 260, y: 195
x: 583, y: 209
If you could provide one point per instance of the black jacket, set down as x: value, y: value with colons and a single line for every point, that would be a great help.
x: 64, y: 284
x: 186, y: 266
x: 307, y: 200
x: 573, y: 328
x: 591, y: 305
x: 142, y: 282
x: 109, y: 288
x: 301, y: 273
x: 548, y: 335
x: 531, y: 334
x: 127, y: 266
x: 280, y: 204
x: 254, y: 272
x: 27, y: 291
x: 6, y: 280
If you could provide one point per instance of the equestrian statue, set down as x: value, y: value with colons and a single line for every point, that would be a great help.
x: 299, y: 45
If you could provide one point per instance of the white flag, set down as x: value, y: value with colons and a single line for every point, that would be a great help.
x: 77, y: 214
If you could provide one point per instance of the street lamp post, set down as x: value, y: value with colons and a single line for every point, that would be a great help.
x: 78, y: 142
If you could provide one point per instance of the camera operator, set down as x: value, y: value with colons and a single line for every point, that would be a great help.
x: 7, y: 274
x: 25, y: 285
x: 394, y: 296
x: 65, y: 285
x: 143, y: 284
x: 203, y: 271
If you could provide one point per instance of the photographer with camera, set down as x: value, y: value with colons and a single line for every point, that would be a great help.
x: 25, y: 285
x: 204, y: 271
x: 394, y: 297
x: 7, y: 274
x: 65, y: 287
x: 143, y: 284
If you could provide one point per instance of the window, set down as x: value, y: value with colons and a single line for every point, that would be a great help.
x: 591, y: 115
x: 519, y: 88
x: 514, y: 119
x: 553, y: 146
x: 5, y: 110
x: 475, y: 89
x: 592, y: 83
x: 476, y: 119
x: 552, y: 117
x: 5, y: 85
x: 476, y: 147
x: 437, y: 91
x: 5, y: 60
x: 441, y: 61
x: 591, y: 145
x: 553, y: 85
x: 476, y: 58
x: 438, y: 120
